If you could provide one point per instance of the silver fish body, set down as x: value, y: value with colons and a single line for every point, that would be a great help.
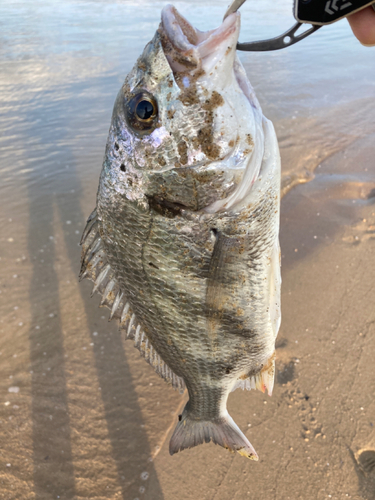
x: 183, y: 243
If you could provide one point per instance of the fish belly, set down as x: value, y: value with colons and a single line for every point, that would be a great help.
x: 199, y: 286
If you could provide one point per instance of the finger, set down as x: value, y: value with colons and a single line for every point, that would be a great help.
x: 363, y: 26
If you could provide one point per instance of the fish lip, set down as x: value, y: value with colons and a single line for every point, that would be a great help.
x: 189, y: 41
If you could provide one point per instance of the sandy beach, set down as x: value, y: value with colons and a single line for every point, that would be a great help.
x: 81, y: 414
x: 313, y: 433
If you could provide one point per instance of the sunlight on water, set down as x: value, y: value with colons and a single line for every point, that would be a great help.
x: 61, y: 64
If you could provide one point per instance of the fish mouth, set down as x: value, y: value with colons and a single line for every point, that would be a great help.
x: 207, y: 61
x: 187, y: 48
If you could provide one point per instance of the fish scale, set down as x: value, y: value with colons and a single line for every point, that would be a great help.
x: 183, y: 244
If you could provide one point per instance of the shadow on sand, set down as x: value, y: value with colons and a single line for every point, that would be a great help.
x: 53, y: 463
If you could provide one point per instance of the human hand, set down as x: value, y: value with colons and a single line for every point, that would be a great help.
x: 363, y: 26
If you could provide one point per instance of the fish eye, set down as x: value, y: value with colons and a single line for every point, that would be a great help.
x: 142, y: 112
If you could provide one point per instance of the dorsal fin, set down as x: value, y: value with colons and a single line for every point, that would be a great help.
x: 95, y: 266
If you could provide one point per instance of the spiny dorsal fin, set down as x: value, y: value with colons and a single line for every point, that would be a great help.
x: 95, y: 266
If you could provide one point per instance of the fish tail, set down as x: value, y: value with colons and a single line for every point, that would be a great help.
x: 191, y: 432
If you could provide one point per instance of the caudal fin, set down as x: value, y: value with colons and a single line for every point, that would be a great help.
x: 224, y: 431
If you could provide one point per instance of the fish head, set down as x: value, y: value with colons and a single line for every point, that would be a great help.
x: 186, y: 121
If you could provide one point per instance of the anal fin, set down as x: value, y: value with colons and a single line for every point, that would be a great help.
x: 264, y: 380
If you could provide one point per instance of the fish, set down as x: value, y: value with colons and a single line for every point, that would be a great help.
x: 183, y: 244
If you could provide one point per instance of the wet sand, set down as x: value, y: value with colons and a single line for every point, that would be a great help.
x: 81, y: 414
x: 310, y: 434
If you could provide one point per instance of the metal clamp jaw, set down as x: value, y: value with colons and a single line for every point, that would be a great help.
x: 318, y: 13
x: 280, y: 42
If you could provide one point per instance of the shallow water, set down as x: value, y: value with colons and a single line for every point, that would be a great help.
x: 79, y: 418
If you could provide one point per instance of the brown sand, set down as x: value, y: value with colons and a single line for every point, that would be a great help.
x: 92, y: 420
x: 312, y: 431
